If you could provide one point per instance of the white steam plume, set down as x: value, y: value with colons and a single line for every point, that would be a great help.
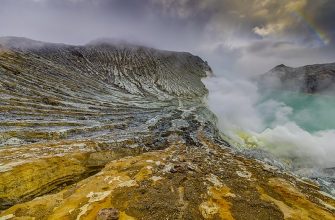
x: 242, y: 112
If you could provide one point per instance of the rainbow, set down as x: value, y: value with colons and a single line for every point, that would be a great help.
x: 321, y: 34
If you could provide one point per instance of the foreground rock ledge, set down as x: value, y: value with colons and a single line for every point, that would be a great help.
x: 183, y: 182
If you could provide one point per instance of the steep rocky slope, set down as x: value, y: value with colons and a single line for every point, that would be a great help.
x: 123, y: 127
x: 309, y: 79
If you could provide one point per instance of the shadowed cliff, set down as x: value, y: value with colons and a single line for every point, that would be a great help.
x: 310, y: 79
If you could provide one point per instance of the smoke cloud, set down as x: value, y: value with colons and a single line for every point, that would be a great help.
x: 252, y: 118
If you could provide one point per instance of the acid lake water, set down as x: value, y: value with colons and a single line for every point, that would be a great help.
x: 311, y: 112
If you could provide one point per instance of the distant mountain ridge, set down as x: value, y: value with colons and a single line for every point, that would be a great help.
x: 310, y: 78
x: 21, y: 43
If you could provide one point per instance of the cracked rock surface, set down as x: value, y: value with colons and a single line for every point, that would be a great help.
x: 107, y: 131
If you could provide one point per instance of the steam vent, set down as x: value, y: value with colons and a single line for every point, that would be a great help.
x: 118, y: 131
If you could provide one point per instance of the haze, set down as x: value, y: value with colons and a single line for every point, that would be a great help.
x: 236, y: 37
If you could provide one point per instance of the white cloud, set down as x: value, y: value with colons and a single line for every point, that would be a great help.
x: 269, y: 29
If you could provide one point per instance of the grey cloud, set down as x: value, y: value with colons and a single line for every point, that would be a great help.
x: 222, y: 31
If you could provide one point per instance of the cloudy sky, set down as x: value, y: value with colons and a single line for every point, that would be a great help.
x: 235, y: 36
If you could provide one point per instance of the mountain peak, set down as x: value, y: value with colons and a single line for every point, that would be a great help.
x: 310, y: 78
x: 19, y: 42
x: 23, y: 43
x: 281, y: 66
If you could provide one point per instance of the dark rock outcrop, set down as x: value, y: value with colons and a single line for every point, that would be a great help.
x: 310, y: 79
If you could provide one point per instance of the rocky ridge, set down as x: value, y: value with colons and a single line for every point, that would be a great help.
x: 122, y: 130
x: 310, y: 79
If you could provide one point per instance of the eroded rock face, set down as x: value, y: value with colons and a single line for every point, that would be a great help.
x: 310, y: 79
x: 66, y: 111
x: 119, y: 131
